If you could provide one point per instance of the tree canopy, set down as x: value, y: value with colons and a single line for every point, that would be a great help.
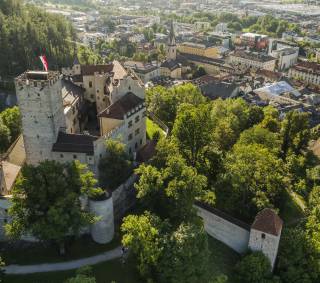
x: 27, y: 32
x: 46, y: 201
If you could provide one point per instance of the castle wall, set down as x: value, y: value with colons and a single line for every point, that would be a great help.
x: 124, y: 197
x: 233, y: 235
x: 127, y: 84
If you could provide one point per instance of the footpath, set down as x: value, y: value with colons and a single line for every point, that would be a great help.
x: 66, y: 265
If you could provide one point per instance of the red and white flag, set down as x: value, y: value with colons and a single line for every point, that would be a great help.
x: 44, y: 61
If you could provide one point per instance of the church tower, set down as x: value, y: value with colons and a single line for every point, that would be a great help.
x: 172, y: 46
x: 41, y: 106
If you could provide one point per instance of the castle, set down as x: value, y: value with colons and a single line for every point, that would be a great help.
x: 69, y: 116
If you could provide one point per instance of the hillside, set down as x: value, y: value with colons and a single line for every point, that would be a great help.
x: 26, y: 32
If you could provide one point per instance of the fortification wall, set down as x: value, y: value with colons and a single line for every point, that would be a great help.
x: 222, y: 227
x: 124, y: 197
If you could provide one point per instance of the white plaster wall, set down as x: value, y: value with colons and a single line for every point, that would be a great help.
x: 268, y: 244
x: 228, y: 233
x: 102, y: 231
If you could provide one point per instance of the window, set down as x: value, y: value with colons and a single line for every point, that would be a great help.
x: 136, y: 145
x: 140, y: 141
x: 97, y: 91
x: 137, y: 119
x: 130, y: 124
x: 90, y: 84
x: 137, y: 131
x: 61, y: 155
x: 74, y: 156
x: 129, y: 87
x: 130, y: 137
x: 130, y: 151
x: 91, y: 96
x: 263, y: 236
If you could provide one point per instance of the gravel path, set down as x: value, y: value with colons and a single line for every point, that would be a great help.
x: 67, y: 265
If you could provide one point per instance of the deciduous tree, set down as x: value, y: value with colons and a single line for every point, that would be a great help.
x: 46, y: 201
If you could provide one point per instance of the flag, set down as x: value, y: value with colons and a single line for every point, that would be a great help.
x: 44, y: 61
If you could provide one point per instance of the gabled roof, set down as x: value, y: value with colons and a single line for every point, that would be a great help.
x: 76, y: 143
x: 268, y: 221
x: 122, y: 106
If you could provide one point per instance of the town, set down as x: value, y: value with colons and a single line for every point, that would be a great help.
x: 151, y: 141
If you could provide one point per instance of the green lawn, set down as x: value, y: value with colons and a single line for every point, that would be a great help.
x: 104, y: 272
x: 293, y: 209
x: 152, y: 128
x: 222, y: 259
x: 40, y: 253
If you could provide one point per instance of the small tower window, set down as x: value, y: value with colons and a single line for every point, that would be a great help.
x: 61, y: 155
x: 263, y: 236
x: 90, y: 84
x: 74, y: 156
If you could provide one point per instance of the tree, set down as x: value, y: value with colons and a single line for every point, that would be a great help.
x: 271, y: 119
x: 172, y: 190
x: 185, y: 257
x: 262, y: 136
x: 253, y: 268
x: 11, y: 118
x: 116, y: 167
x: 256, y: 178
x: 192, y: 131
x: 295, y: 132
x: 143, y: 235
x: 46, y: 202
x: 4, y: 137
x: 199, y: 72
x: 230, y: 117
x: 297, y: 260
x: 164, y: 102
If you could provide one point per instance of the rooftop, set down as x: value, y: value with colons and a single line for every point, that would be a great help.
x: 268, y: 221
x: 77, y: 143
x: 310, y: 67
x: 253, y: 56
x: 118, y: 109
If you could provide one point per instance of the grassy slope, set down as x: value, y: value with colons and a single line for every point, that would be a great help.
x: 152, y: 128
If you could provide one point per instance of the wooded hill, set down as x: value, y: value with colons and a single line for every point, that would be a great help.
x: 27, y: 32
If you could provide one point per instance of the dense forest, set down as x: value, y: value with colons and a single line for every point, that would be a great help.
x: 27, y: 32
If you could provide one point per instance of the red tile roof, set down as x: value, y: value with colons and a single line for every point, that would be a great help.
x: 268, y: 221
x: 118, y: 109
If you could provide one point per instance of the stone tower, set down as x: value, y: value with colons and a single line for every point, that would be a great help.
x: 40, y: 102
x: 172, y: 45
x: 265, y: 234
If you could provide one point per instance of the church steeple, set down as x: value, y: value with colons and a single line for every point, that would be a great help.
x: 172, y: 46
